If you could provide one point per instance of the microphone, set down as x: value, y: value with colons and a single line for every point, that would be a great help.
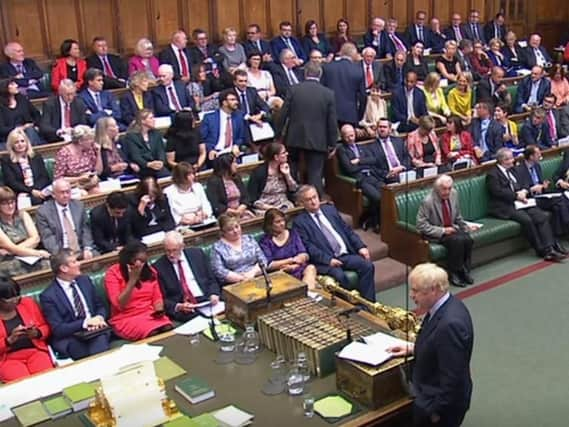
x: 268, y: 282
x: 346, y: 313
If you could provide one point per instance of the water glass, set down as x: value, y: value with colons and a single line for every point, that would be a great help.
x: 227, y: 341
x: 295, y: 382
x: 194, y: 339
x: 308, y: 406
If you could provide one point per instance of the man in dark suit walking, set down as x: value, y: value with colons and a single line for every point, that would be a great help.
x: 185, y: 278
x: 441, y: 380
x: 505, y: 188
x: 345, y: 79
x: 114, y: 69
x: 71, y: 306
x: 332, y: 245
x: 309, y: 116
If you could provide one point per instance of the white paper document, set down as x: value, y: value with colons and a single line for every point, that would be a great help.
x: 407, y: 176
x: 521, y: 205
x: 153, y: 238
x: 209, y: 310
x: 30, y: 260
x: 474, y: 224
x: 162, y: 122
x: 261, y: 133
x: 548, y: 195
x: 364, y: 353
x: 194, y: 326
x: 432, y: 171
x: 232, y: 416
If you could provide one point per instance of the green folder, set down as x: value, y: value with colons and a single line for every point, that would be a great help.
x: 31, y: 414
x: 183, y: 421
x: 167, y: 369
x: 205, y: 420
x: 57, y: 407
x: 220, y: 329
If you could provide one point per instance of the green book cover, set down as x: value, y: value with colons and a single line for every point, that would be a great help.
x: 79, y: 392
x: 167, y: 369
x: 57, y: 407
x: 205, y: 420
x: 31, y: 414
x: 183, y: 421
x: 194, y: 389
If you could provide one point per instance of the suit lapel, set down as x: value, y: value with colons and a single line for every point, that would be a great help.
x: 431, y: 325
x: 61, y: 296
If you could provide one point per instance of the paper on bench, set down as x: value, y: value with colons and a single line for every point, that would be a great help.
x: 364, y: 353
x: 521, y: 205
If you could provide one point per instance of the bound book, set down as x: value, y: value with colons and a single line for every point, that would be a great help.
x: 57, y: 407
x: 79, y: 395
x: 31, y: 414
x: 231, y: 416
x: 194, y: 390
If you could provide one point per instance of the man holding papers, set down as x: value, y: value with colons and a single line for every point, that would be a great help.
x: 439, y: 219
x: 441, y: 380
x: 185, y: 278
x: 505, y: 189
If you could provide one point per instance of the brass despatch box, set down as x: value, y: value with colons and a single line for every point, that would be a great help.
x: 245, y: 301
x: 371, y: 386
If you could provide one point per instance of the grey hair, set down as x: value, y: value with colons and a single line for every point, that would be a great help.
x: 303, y: 190
x: 167, y: 68
x: 284, y: 52
x: 502, y: 154
x: 175, y: 237
x: 368, y: 49
x: 443, y: 179
x: 82, y: 131
x: 66, y: 84
x: 312, y: 70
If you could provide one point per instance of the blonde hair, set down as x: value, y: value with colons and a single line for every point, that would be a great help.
x: 496, y: 41
x: 136, y: 79
x: 432, y: 81
x: 142, y: 45
x: 13, y: 136
x: 81, y: 131
x: 429, y: 275
x: 227, y: 31
x: 101, y: 136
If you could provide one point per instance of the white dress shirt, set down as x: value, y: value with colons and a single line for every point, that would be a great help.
x: 66, y: 286
x: 343, y: 247
x: 222, y: 129
x: 410, y: 110
x: 62, y: 105
x: 193, y: 286
x: 184, y: 202
x: 177, y: 53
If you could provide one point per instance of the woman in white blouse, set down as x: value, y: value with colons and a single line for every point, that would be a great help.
x: 262, y: 81
x: 188, y: 202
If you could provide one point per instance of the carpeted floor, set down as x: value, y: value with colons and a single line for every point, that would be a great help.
x: 521, y: 353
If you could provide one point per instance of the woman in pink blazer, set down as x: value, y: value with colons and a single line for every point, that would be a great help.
x: 144, y: 59
x: 423, y: 144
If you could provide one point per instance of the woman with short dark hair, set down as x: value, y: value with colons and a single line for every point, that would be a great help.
x: 69, y: 65
x: 151, y: 209
x: 183, y: 142
x: 16, y: 111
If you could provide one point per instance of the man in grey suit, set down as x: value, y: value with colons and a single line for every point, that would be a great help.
x: 309, y: 116
x: 62, y: 223
x: 439, y: 219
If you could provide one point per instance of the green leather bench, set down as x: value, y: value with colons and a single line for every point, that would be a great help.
x: 473, y: 198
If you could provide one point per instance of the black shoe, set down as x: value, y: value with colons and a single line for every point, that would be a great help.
x: 558, y: 247
x: 467, y: 278
x: 554, y: 256
x: 454, y: 280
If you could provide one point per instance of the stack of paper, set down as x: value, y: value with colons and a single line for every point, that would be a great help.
x: 209, y: 310
x: 231, y: 416
x: 373, y: 351
x: 79, y: 396
x: 194, y: 326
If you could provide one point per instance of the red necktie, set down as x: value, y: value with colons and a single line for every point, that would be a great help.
x: 228, y: 133
x: 188, y: 296
x: 173, y: 98
x: 67, y: 116
x: 369, y: 76
x: 184, y: 63
x: 447, y: 221
x: 552, y: 129
x: 108, y: 69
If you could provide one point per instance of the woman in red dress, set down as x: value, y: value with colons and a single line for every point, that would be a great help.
x: 137, y: 306
x: 23, y: 335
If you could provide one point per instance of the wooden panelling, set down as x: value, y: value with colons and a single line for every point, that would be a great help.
x: 309, y: 9
x: 132, y: 27
x: 98, y: 20
x: 357, y: 14
x: 255, y: 12
x: 416, y: 5
x: 281, y: 10
x: 227, y: 13
x: 442, y: 11
x: 379, y: 8
x: 166, y: 17
x: 62, y: 23
x: 462, y: 7
x: 199, y: 15
x: 23, y: 21
x: 399, y: 10
x: 333, y: 10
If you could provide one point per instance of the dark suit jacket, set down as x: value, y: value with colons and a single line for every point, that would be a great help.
x: 394, y: 77
x: 484, y: 93
x: 501, y: 196
x: 399, y: 104
x: 50, y: 121
x: 119, y: 67
x: 412, y: 35
x: 25, y: 112
x: 209, y: 129
x: 523, y: 173
x: 438, y: 41
x: 489, y: 31
x: 378, y: 43
x: 215, y: 191
x: 51, y: 232
x: 13, y: 177
x: 160, y: 211
x: 400, y: 150
x: 451, y: 35
x: 562, y: 121
x: 529, y: 59
x: 377, y: 72
x: 494, y: 135
x: 161, y: 104
x: 345, y: 79
x: 251, y: 47
x: 106, y: 235
x: 368, y: 164
x: 197, y: 57
x: 280, y: 79
x: 524, y: 92
x: 316, y: 244
x: 172, y: 288
x: 129, y: 107
x: 538, y: 135
x: 32, y: 73
x: 258, y: 180
x: 310, y: 116
x: 469, y: 34
x: 561, y: 172
x: 254, y: 102
x: 277, y: 45
x: 390, y: 47
x: 108, y: 102
x: 443, y: 384
x: 513, y: 60
x: 141, y: 152
x: 60, y: 314
x: 168, y: 56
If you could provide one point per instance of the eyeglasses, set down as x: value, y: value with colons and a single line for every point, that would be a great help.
x: 8, y: 202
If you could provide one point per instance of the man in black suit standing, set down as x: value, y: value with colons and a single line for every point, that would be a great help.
x: 115, y: 70
x: 441, y: 380
x: 62, y: 112
x: 345, y: 79
x: 392, y: 155
x: 185, y: 278
x: 178, y: 56
x: 309, y: 116
x: 505, y: 188
x: 111, y: 223
x: 332, y: 245
x: 25, y: 70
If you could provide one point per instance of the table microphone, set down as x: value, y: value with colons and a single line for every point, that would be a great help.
x: 268, y: 283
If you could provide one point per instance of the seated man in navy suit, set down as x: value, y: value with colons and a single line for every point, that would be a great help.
x: 487, y: 133
x: 170, y: 96
x: 224, y: 129
x: 535, y: 131
x: 408, y: 104
x: 285, y: 40
x: 418, y: 31
x: 441, y: 379
x: 71, y: 306
x: 332, y: 245
x: 99, y: 102
x: 535, y: 54
x: 394, y: 40
x: 114, y: 68
x: 532, y: 90
x: 250, y: 103
x: 286, y: 74
x: 185, y: 278
x: 391, y: 153
x: 25, y: 70
x: 255, y: 43
x: 375, y: 37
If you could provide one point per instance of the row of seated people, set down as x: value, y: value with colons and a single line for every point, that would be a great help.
x: 145, y: 299
x: 439, y: 218
x: 379, y: 163
x: 64, y: 222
